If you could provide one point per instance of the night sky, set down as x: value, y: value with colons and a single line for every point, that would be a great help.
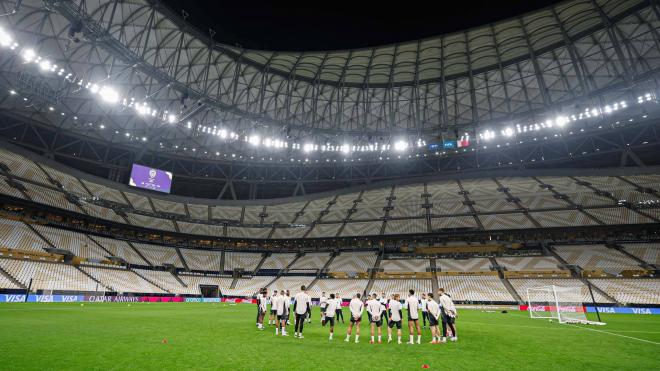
x: 328, y: 25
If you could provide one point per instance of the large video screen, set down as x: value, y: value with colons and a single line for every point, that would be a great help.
x: 150, y: 178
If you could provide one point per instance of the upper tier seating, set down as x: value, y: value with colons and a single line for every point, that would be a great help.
x: 596, y: 257
x: 22, y: 167
x: 529, y: 263
x: 359, y: 261
x: 447, y: 207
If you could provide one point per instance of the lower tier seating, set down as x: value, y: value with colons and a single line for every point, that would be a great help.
x: 401, y: 287
x: 122, y: 280
x: 637, y: 291
x: 522, y: 284
x: 49, y: 276
x: 475, y: 288
x: 345, y: 287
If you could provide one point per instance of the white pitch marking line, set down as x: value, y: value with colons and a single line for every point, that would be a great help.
x: 623, y: 336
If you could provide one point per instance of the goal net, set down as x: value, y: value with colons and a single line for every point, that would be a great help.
x: 563, y: 304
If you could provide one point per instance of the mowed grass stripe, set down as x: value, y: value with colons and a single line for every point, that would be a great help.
x: 219, y: 336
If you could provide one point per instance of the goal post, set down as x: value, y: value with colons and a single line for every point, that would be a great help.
x: 563, y: 304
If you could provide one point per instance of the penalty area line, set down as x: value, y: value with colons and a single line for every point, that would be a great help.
x: 623, y: 336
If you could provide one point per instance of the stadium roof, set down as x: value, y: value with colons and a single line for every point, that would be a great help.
x: 524, y: 70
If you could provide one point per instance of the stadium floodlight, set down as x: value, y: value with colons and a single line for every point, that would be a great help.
x: 254, y: 140
x: 308, y: 147
x: 29, y: 55
x: 94, y: 88
x: 345, y: 148
x: 44, y: 65
x: 400, y: 146
x: 109, y: 95
x: 561, y: 121
x: 171, y: 118
x: 5, y: 38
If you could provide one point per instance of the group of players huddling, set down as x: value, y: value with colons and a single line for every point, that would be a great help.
x: 379, y: 310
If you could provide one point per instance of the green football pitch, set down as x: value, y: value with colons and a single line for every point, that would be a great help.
x: 220, y: 336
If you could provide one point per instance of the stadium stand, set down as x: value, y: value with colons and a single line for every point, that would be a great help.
x: 464, y: 265
x: 486, y: 288
x: 146, y: 221
x: 359, y: 261
x: 596, y: 257
x: 531, y: 263
x: 119, y: 249
x: 649, y: 253
x: 635, y: 291
x: 405, y: 265
x: 159, y: 255
x: 345, y: 287
x: 522, y: 284
x: 22, y: 167
x: 17, y: 235
x: 226, y: 213
x: 49, y: 276
x: 198, y: 212
x: 204, y: 260
x: 246, y: 261
x: 247, y: 287
x: 278, y: 261
x: 104, y: 193
x: 292, y: 283
x: 194, y: 281
x: 397, y: 286
x: 101, y: 212
x: 168, y: 207
x: 311, y: 261
x: 139, y: 202
x: 164, y: 279
x: 122, y: 280
x: 77, y: 243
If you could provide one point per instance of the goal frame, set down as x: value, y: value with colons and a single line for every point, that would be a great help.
x: 555, y: 306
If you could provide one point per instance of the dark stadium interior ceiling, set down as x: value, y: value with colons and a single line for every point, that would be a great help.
x: 339, y: 25
x: 100, y: 85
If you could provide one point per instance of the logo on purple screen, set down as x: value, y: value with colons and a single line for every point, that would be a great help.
x: 150, y: 178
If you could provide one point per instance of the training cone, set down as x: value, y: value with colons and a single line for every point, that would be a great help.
x: 425, y: 366
x: 164, y: 341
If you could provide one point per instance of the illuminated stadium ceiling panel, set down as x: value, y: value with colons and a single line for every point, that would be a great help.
x: 525, y: 70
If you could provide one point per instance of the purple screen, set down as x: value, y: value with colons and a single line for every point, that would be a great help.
x: 150, y: 178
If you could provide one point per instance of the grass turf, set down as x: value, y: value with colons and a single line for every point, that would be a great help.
x: 219, y: 336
